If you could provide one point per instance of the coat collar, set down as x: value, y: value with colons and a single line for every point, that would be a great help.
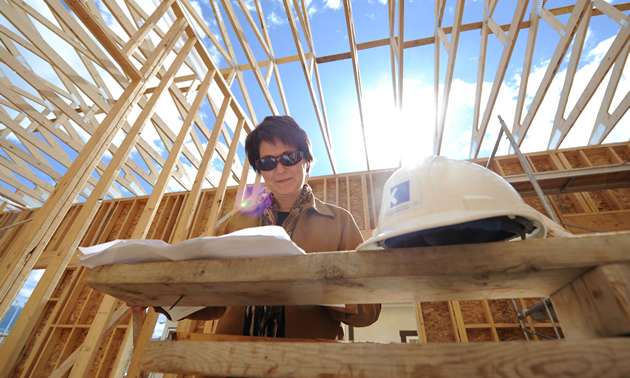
x: 321, y: 208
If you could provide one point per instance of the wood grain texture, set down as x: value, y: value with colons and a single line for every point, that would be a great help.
x: 532, y: 268
x: 594, y: 358
x: 597, y: 304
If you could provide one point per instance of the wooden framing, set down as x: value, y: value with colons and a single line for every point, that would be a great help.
x: 68, y: 139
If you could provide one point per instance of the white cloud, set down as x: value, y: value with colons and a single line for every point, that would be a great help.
x: 332, y: 4
x: 274, y: 20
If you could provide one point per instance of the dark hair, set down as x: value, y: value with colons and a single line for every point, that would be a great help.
x: 283, y: 129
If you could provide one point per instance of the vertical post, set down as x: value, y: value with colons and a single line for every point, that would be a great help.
x: 597, y: 304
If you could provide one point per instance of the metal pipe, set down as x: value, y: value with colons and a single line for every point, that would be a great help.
x: 553, y: 322
x: 494, y: 150
x: 520, y: 320
x: 529, y: 173
x: 536, y: 307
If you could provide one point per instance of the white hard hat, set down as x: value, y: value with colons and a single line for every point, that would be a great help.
x: 441, y: 201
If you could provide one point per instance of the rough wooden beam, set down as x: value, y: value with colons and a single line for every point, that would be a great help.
x: 531, y: 268
x: 596, y: 304
x: 256, y: 359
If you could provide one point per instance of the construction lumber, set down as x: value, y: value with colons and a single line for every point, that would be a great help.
x: 531, y: 268
x: 596, y: 304
x: 592, y: 358
x: 574, y: 180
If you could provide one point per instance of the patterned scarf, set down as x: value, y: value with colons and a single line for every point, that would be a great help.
x: 301, y: 205
x: 268, y: 321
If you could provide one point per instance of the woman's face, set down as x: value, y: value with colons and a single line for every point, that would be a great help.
x: 284, y: 182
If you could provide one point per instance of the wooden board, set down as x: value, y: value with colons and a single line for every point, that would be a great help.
x: 532, y: 268
x: 593, y: 358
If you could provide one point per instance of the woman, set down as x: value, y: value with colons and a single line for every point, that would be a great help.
x: 281, y: 152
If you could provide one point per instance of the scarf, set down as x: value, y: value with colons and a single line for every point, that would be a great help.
x: 268, y: 321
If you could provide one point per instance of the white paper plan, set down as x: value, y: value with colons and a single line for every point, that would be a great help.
x: 250, y: 242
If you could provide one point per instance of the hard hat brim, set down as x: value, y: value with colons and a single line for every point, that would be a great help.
x: 451, y: 218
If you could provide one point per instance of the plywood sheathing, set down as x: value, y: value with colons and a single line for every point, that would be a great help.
x: 437, y: 322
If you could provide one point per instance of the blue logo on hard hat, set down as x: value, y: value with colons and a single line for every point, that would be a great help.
x: 399, y: 194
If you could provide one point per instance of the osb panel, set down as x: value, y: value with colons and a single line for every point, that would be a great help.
x: 600, y: 201
x: 112, y: 352
x: 154, y: 227
x: 502, y: 311
x: 65, y: 280
x: 472, y: 312
x: 371, y: 221
x: 573, y: 159
x: 204, y: 206
x: 598, y: 156
x: 623, y: 152
x: 62, y: 230
x: 318, y: 188
x: 479, y: 334
x: 228, y: 202
x: 28, y: 348
x: 343, y: 194
x: 542, y: 163
x: 510, y: 334
x: 113, y: 234
x: 548, y: 331
x: 356, y: 202
x: 536, y: 204
x: 331, y: 191
x: 100, y: 354
x: 55, y: 356
x: 608, y: 222
x: 92, y: 310
x: 161, y: 219
x: 140, y: 207
x: 512, y: 167
x: 563, y: 203
x: 437, y: 322
x: 623, y: 196
x: 80, y: 303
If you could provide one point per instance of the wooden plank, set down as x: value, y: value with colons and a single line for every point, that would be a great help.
x: 531, y: 268
x: 559, y: 132
x: 255, y: 359
x: 579, y: 10
x: 321, y: 114
x: 100, y: 32
x: 596, y: 304
x: 450, y: 70
x: 357, y: 73
x: 506, y: 55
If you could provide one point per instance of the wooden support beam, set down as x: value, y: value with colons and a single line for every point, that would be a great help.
x: 595, y: 305
x: 559, y: 132
x: 255, y: 359
x: 605, y: 121
x: 103, y: 36
x: 477, y: 135
x: 320, y: 113
x: 357, y: 73
x: 579, y: 11
x: 450, y: 70
x: 531, y: 268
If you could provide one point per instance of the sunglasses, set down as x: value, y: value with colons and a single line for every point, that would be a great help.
x: 288, y: 159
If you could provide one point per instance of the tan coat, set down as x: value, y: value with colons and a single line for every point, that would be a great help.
x: 323, y: 228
